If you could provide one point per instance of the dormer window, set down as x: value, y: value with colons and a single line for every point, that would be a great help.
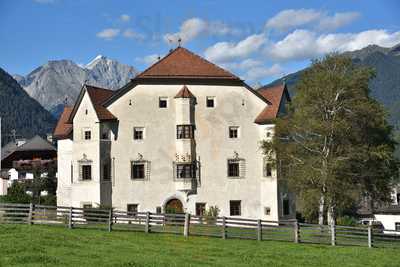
x: 163, y: 102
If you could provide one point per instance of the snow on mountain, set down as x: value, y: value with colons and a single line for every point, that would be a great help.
x: 58, y: 81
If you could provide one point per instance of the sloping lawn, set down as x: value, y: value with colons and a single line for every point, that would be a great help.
x: 24, y: 245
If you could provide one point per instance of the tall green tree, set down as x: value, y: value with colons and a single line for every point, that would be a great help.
x: 335, y: 143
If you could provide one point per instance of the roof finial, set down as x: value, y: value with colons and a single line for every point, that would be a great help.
x: 179, y: 42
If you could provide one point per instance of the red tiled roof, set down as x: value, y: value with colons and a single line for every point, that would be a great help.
x: 274, y: 96
x: 181, y: 63
x: 184, y: 93
x: 63, y: 127
x: 98, y: 96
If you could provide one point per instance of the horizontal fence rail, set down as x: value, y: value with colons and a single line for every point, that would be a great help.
x: 187, y: 224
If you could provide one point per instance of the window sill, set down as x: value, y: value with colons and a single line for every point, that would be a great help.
x: 235, y: 177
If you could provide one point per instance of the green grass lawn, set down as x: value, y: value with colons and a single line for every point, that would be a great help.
x: 24, y: 245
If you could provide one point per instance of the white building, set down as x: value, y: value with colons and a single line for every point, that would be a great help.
x: 390, y: 216
x: 183, y: 135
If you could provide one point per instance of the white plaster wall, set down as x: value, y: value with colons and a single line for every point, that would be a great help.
x: 388, y: 220
x: 235, y: 106
x: 64, y: 161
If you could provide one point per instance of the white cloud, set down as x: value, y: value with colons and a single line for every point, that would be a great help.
x: 108, y: 34
x: 304, y: 44
x: 131, y: 34
x: 228, y: 51
x: 125, y: 17
x: 261, y: 72
x: 195, y: 27
x: 148, y: 60
x: 292, y: 18
x: 337, y: 20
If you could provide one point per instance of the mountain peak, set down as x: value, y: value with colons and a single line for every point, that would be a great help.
x: 93, y: 63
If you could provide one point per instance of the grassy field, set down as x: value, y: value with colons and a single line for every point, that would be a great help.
x: 23, y: 245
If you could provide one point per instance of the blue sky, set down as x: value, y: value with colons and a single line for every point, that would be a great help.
x: 258, y: 40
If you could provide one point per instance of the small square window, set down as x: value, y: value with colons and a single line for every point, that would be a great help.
x: 210, y: 101
x: 87, y: 206
x: 158, y: 210
x: 398, y: 198
x: 88, y: 135
x: 233, y: 132
x: 163, y: 102
x: 397, y: 226
x: 138, y: 133
x: 138, y: 170
x: 233, y: 168
x: 200, y: 209
x: 235, y: 207
x: 132, y: 208
x: 267, y: 211
x: 86, y: 172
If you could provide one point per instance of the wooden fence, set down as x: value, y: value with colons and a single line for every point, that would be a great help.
x: 187, y: 224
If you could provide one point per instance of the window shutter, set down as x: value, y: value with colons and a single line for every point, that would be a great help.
x: 242, y: 168
x: 147, y: 170
x: 80, y: 172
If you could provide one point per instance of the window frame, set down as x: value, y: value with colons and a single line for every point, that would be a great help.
x: 235, y: 210
x: 162, y: 99
x: 189, y: 169
x: 132, y: 205
x: 83, y: 177
x: 201, y: 208
x: 87, y: 134
x: 137, y: 164
x: 233, y: 132
x: 138, y: 130
x: 210, y: 98
x: 184, y: 131
x: 397, y: 226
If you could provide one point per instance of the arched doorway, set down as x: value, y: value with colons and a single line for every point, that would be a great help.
x: 174, y: 206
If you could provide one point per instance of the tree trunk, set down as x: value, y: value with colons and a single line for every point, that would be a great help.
x: 331, y: 215
x: 321, y: 209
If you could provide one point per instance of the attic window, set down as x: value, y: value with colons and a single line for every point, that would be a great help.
x: 210, y: 101
x: 163, y: 102
x: 86, y: 111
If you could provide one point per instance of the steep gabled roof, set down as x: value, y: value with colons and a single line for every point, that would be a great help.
x: 63, y: 128
x: 274, y: 95
x: 181, y: 63
x: 184, y: 93
x: 97, y: 96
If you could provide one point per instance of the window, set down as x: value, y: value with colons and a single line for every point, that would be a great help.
x: 286, y: 207
x: 234, y: 207
x: 268, y: 169
x: 267, y: 210
x: 158, y: 210
x: 397, y: 226
x: 105, y: 135
x: 184, y: 131
x: 86, y: 172
x: 72, y: 173
x: 106, y: 172
x: 138, y: 133
x: 132, y: 208
x: 233, y: 168
x: 233, y: 132
x: 163, y: 102
x: 268, y: 134
x: 398, y: 199
x: 138, y: 170
x: 200, y: 209
x: 186, y: 170
x: 210, y: 101
x: 88, y: 135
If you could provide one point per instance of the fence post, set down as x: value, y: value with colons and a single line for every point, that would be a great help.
x: 110, y: 219
x: 370, y: 236
x: 333, y: 234
x: 70, y: 224
x: 259, y: 230
x: 187, y: 225
x: 147, y: 226
x: 30, y: 215
x: 296, y: 228
x: 223, y: 227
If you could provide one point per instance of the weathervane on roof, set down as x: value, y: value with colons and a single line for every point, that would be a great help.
x: 179, y: 42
